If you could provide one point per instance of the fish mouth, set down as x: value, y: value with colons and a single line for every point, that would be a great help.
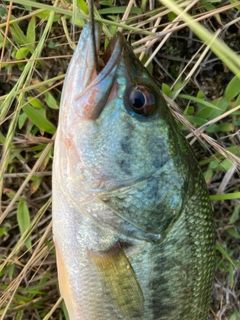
x: 107, y: 62
x: 90, y: 89
x: 114, y: 49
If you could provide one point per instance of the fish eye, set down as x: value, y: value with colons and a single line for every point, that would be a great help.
x: 141, y: 100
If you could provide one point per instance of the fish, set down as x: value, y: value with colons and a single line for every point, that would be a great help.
x: 132, y: 222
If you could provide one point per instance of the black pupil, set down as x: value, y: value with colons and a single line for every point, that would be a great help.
x: 137, y: 99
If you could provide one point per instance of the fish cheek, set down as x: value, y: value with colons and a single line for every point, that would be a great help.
x: 125, y: 145
x: 124, y: 166
x: 124, y: 163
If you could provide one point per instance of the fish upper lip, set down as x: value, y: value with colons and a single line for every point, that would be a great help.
x: 90, y: 100
x: 111, y: 58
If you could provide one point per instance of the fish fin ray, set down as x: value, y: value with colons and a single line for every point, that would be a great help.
x: 119, y: 281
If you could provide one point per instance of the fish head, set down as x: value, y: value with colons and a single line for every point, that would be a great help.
x: 115, y: 128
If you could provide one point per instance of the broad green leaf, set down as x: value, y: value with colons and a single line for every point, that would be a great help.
x: 3, y: 11
x: 233, y: 88
x: 204, y: 113
x: 50, y: 100
x: 45, y: 15
x: 22, y: 53
x: 222, y: 104
x: 208, y: 175
x: 196, y: 120
x: 35, y: 185
x: 226, y: 164
x: 11, y: 270
x: 233, y: 233
x: 213, y: 164
x: 31, y: 31
x: 222, y: 127
x: 4, y: 229
x: 223, y: 166
x: 236, y: 214
x: 82, y: 6
x: 2, y: 138
x: 236, y: 314
x: 189, y: 110
x: 3, y: 232
x: 39, y: 120
x: 35, y: 102
x: 23, y: 218
x: 171, y: 16
x: 237, y: 102
x: 37, y: 148
x: 237, y: 263
x: 21, y: 120
x: 200, y: 95
x: 179, y: 85
x: 166, y: 89
x: 237, y: 123
x: 10, y: 194
x: 52, y: 45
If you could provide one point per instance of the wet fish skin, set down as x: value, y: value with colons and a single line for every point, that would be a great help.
x: 132, y: 222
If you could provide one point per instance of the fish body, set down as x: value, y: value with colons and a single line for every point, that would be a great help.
x: 132, y: 222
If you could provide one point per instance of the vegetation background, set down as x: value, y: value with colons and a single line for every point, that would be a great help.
x: 192, y: 50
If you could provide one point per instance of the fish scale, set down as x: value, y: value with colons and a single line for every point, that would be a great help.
x: 132, y: 222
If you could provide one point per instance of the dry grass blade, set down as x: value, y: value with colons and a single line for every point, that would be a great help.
x: 39, y: 254
x: 227, y: 154
x: 20, y: 190
x: 169, y: 28
x: 57, y: 304
x: 126, y: 14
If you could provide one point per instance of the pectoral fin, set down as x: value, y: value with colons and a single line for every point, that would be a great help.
x: 119, y: 282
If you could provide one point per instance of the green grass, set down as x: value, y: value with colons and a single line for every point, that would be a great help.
x: 37, y: 41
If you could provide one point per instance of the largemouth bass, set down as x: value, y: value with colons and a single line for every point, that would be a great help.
x: 132, y: 222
